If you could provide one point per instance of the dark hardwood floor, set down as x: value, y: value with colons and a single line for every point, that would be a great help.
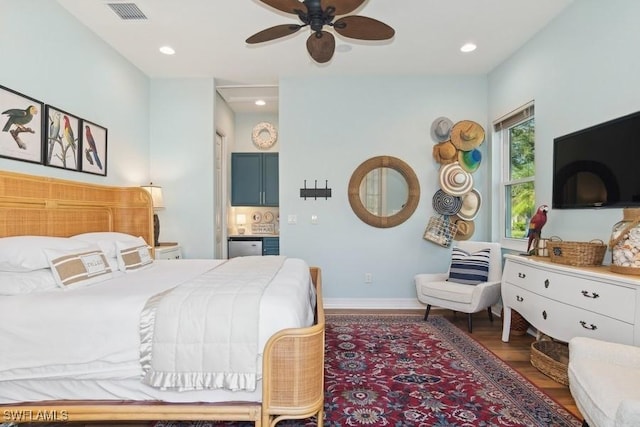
x: 516, y: 353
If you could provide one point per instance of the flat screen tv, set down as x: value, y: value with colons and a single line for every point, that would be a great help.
x: 598, y: 167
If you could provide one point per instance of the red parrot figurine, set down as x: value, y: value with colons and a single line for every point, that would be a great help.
x: 535, y: 227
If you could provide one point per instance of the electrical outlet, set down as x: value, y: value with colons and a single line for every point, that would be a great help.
x: 368, y: 278
x: 292, y: 219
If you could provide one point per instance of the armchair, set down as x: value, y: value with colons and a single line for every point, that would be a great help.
x: 603, y: 380
x: 440, y: 290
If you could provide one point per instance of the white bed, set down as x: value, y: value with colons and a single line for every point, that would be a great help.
x: 95, y: 354
x: 74, y: 352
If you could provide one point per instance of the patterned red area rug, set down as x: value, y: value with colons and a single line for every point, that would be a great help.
x: 402, y: 371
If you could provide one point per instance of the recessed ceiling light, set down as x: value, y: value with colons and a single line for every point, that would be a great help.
x: 167, y: 50
x: 468, y: 47
x: 260, y: 102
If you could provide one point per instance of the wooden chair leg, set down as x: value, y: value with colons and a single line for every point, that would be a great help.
x: 426, y: 313
x: 469, y: 326
x: 490, y: 314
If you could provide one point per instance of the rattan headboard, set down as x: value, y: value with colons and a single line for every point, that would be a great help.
x: 35, y: 205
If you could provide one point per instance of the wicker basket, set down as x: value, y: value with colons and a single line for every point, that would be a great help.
x: 519, y: 325
x: 577, y: 253
x: 551, y: 358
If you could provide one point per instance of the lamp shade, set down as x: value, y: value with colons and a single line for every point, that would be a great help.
x: 156, y: 195
x: 241, y: 219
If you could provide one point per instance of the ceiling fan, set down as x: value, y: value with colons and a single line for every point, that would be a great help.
x: 316, y: 14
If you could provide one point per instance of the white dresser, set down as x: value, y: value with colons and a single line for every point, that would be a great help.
x: 563, y: 301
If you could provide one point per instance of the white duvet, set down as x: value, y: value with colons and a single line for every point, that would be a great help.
x: 203, y: 334
x: 92, y: 333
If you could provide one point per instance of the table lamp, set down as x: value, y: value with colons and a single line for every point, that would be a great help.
x: 158, y: 203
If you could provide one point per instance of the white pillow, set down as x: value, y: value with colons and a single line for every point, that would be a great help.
x: 16, y: 283
x: 79, y: 267
x: 106, y: 240
x: 134, y: 256
x: 25, y: 253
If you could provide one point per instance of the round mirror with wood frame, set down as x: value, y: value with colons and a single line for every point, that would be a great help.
x: 407, y: 209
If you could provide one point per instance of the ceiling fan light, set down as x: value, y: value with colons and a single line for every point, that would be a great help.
x: 260, y: 102
x: 321, y: 46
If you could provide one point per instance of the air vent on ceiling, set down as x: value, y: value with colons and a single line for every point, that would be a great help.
x: 128, y: 11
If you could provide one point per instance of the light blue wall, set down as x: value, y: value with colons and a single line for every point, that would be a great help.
x: 244, y: 124
x: 182, y: 138
x: 328, y: 126
x: 46, y: 54
x: 583, y: 69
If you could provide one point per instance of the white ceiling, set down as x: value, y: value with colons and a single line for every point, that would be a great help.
x: 209, y: 39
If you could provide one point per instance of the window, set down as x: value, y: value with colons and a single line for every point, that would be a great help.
x: 516, y: 133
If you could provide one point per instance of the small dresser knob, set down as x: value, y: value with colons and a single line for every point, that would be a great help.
x: 519, y: 298
x: 522, y: 275
x: 544, y: 314
x: 546, y: 283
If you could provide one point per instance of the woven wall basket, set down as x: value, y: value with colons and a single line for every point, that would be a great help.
x: 440, y: 230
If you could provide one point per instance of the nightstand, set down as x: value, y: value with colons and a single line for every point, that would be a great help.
x: 168, y: 250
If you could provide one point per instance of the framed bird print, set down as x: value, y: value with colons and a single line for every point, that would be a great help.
x: 94, y: 148
x: 21, y: 126
x: 62, y: 143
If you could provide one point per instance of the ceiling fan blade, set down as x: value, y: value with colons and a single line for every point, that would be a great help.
x: 361, y: 27
x: 273, y: 33
x: 342, y: 7
x: 288, y: 6
x: 321, y: 46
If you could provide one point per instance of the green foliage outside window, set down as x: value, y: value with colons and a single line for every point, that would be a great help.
x: 521, y: 195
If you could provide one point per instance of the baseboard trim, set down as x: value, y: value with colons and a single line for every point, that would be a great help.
x: 373, y: 304
x: 394, y: 304
x: 382, y: 304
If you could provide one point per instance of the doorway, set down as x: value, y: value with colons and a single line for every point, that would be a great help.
x: 219, y: 197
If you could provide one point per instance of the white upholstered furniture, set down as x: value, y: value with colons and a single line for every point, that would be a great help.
x: 604, y: 379
x: 434, y: 289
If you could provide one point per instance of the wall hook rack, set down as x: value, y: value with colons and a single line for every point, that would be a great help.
x: 315, y: 192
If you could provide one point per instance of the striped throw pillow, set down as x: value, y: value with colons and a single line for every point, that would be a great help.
x: 80, y: 267
x: 467, y: 268
x: 133, y: 256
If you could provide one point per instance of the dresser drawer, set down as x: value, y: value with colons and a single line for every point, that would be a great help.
x: 563, y: 321
x: 601, y: 297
